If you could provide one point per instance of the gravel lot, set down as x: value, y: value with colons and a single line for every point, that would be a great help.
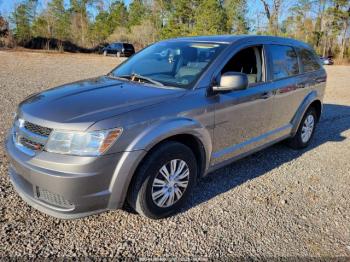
x: 278, y: 202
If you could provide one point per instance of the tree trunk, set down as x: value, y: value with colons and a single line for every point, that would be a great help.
x: 82, y: 29
x: 345, y: 29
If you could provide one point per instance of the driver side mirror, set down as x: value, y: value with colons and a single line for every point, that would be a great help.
x: 232, y: 81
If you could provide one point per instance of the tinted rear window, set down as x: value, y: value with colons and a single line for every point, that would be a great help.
x: 284, y: 61
x: 128, y: 46
x: 309, y: 61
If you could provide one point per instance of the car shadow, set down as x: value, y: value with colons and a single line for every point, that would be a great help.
x: 335, y: 120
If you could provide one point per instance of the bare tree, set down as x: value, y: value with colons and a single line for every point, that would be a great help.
x: 346, y: 22
x: 272, y: 11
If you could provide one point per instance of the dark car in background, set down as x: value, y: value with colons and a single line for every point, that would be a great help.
x: 119, y: 49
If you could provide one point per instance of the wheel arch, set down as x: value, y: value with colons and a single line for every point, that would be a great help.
x: 311, y: 100
x: 317, y: 105
x: 191, y: 141
x: 186, y: 131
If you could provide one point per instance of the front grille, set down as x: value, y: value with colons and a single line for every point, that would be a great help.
x: 36, y: 129
x: 52, y: 198
x: 31, y: 144
x: 29, y: 137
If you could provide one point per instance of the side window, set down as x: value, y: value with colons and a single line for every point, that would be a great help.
x: 248, y: 61
x: 308, y: 61
x: 284, y: 61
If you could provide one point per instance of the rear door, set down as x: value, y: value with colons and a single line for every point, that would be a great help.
x: 115, y: 48
x: 288, y: 84
x: 311, y: 68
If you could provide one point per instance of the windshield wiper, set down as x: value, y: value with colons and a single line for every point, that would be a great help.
x: 111, y: 75
x: 134, y: 76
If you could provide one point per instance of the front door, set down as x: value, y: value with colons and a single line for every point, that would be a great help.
x: 243, y: 117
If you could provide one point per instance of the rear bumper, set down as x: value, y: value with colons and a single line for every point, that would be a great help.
x: 127, y: 53
x: 67, y: 186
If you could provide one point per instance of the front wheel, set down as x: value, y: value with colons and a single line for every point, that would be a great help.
x: 164, y: 181
x: 305, y: 131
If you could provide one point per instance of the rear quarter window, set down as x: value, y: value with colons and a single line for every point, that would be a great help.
x: 116, y: 45
x: 128, y: 46
x: 284, y: 61
x: 309, y: 61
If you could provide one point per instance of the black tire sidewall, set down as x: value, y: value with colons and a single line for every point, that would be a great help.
x: 311, y: 111
x: 149, y: 170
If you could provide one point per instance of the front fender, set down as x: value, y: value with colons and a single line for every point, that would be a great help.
x: 308, y: 100
x: 171, y: 127
x: 144, y: 142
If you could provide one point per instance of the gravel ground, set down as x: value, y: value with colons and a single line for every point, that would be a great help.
x: 278, y: 202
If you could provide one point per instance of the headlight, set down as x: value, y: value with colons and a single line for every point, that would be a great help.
x: 93, y: 143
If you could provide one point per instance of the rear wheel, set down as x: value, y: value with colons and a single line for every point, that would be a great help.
x: 164, y: 181
x: 305, y: 131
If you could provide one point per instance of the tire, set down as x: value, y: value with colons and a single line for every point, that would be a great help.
x: 305, y: 132
x: 146, y: 194
x: 118, y: 54
x: 105, y: 53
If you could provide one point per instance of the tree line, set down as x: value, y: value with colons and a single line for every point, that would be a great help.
x: 324, y: 24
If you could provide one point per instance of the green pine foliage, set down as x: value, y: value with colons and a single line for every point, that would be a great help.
x: 89, y: 23
x: 22, y: 17
x: 138, y: 12
x: 210, y: 18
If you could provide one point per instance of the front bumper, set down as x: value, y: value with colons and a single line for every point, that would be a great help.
x: 66, y: 186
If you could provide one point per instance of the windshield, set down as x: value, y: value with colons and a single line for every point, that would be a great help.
x: 177, y: 64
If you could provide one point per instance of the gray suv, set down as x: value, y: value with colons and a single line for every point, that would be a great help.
x: 143, y: 134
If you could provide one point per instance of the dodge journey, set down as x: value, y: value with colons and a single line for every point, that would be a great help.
x: 145, y: 133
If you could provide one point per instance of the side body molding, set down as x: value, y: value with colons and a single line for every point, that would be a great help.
x: 308, y: 100
x: 144, y: 142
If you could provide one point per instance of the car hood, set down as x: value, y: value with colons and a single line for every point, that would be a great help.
x: 78, y: 105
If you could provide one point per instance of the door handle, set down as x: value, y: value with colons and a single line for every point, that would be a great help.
x: 266, y: 95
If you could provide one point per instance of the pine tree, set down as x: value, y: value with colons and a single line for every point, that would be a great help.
x: 79, y: 20
x: 101, y: 28
x: 118, y: 15
x: 182, y: 18
x: 236, y: 20
x: 210, y: 18
x: 60, y: 19
x: 22, y: 17
x: 137, y: 13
